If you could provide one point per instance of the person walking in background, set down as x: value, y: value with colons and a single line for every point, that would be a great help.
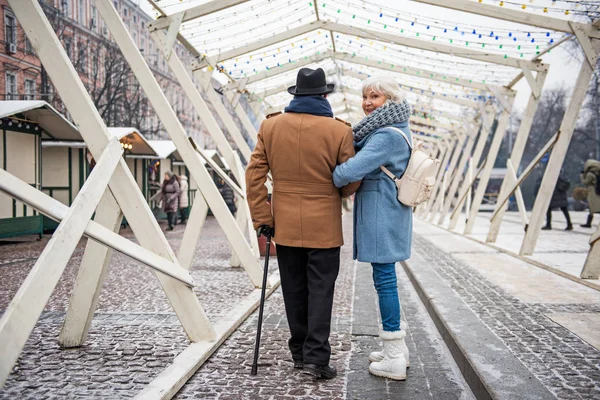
x: 170, y: 197
x: 183, y: 198
x: 301, y: 149
x: 590, y: 177
x: 382, y: 225
x: 228, y: 195
x: 559, y: 200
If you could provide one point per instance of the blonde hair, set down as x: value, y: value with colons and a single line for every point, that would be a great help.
x: 386, y: 85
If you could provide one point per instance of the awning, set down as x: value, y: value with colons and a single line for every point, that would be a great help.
x: 54, y: 125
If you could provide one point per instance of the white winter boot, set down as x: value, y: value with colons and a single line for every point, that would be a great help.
x: 377, y: 356
x: 393, y: 365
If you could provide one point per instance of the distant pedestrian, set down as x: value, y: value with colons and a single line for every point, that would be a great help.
x: 183, y: 198
x: 559, y: 200
x: 229, y: 197
x: 170, y: 197
x: 590, y: 176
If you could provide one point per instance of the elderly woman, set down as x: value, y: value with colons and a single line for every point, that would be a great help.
x: 382, y: 225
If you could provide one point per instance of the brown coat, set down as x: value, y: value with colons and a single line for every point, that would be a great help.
x: 301, y: 151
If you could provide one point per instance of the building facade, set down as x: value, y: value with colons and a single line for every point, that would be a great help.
x: 101, y: 67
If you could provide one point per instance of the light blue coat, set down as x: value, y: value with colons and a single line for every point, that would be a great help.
x: 382, y: 226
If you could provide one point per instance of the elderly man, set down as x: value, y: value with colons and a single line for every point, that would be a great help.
x: 301, y: 148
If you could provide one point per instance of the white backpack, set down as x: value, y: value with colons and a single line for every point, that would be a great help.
x: 418, y: 179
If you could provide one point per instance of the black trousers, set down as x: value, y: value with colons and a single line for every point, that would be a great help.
x: 172, y: 218
x: 565, y: 211
x: 308, y: 282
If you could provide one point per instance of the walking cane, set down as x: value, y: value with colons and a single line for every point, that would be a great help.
x: 261, y: 308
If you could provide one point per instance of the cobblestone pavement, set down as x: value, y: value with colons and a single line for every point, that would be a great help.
x: 134, y: 333
x: 562, y: 361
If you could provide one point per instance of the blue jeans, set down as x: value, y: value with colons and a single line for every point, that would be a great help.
x: 384, y: 277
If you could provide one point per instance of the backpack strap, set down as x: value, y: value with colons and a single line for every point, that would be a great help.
x: 388, y: 173
x: 384, y: 169
x: 403, y: 135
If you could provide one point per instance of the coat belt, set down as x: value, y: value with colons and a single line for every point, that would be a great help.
x: 303, y: 187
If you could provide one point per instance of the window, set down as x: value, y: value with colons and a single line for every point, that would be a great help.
x: 29, y: 89
x: 94, y: 65
x: 11, y: 86
x: 10, y: 29
x: 81, y: 11
x: 69, y: 47
x: 28, y: 46
x: 66, y: 7
x: 82, y: 60
x: 94, y: 20
x: 135, y: 18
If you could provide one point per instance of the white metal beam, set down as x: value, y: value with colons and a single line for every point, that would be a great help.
x: 487, y: 171
x: 435, y: 47
x: 195, y: 12
x: 173, y: 126
x: 517, y: 154
x: 282, y: 69
x: 557, y: 157
x: 200, y: 106
x: 503, y: 13
x: 123, y: 186
x: 90, y: 277
x: 420, y: 73
x: 27, y: 305
x: 259, y: 44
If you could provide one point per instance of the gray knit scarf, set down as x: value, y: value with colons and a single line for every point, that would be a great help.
x: 388, y: 114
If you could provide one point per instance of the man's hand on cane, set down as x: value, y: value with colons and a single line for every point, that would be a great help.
x: 265, y: 230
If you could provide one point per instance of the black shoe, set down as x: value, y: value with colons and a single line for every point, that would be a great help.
x: 569, y: 227
x: 586, y: 225
x: 547, y: 228
x: 320, y: 371
x: 298, y: 364
x: 170, y: 228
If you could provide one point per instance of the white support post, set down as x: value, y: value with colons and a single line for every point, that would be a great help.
x: 169, y: 42
x: 445, y: 155
x: 517, y: 151
x: 193, y: 229
x: 123, y: 186
x: 242, y: 115
x: 487, y: 171
x: 557, y: 157
x: 223, y: 114
x: 458, y: 150
x: 511, y: 176
x: 177, y: 133
x: 486, y: 126
x: 591, y: 268
x: 57, y: 211
x: 460, y: 170
x: 28, y: 303
x: 90, y: 278
x: 200, y: 106
x: 470, y: 179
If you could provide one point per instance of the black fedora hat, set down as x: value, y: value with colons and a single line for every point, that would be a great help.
x: 310, y: 82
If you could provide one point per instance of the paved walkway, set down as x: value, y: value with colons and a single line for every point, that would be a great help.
x: 135, y: 335
x: 509, y: 330
x: 546, y: 322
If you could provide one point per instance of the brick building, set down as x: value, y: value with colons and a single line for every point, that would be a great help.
x: 104, y: 72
